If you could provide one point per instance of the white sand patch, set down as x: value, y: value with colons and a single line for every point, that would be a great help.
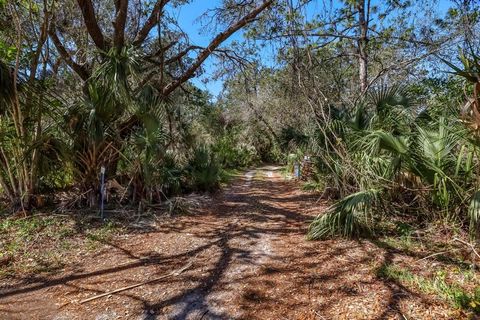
x: 249, y: 176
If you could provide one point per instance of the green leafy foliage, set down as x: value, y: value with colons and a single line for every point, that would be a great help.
x: 203, y: 170
x: 6, y: 85
x: 232, y: 153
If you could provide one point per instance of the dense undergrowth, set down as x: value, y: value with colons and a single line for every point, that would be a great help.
x: 396, y: 158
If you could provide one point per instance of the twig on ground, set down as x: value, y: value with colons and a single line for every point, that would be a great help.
x: 171, y: 274
x: 433, y: 255
x: 469, y: 245
x: 318, y: 314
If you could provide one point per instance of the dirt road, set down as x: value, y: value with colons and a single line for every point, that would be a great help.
x: 250, y: 260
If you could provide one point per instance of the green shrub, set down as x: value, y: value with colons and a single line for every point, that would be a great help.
x: 170, y: 175
x: 232, y: 154
x: 203, y: 170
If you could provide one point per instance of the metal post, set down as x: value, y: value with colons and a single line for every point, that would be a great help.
x: 296, y: 170
x: 102, y: 191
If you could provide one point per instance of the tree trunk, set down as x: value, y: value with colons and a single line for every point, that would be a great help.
x: 88, y: 12
x: 363, y: 16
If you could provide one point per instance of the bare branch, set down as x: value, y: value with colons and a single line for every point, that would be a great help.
x: 182, y: 54
x: 214, y: 44
x: 150, y: 23
x: 81, y: 70
x: 163, y: 49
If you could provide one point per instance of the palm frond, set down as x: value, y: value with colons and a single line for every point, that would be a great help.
x: 474, y: 213
x: 387, y: 96
x: 350, y: 217
x: 379, y: 140
x: 116, y: 71
x: 360, y: 119
x: 471, y: 66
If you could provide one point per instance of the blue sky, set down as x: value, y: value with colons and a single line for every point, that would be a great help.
x: 188, y: 18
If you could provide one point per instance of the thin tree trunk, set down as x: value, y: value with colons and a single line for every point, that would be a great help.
x: 7, y: 190
x: 363, y: 16
x: 42, y: 39
x: 33, y: 185
x: 6, y: 166
x: 21, y: 139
